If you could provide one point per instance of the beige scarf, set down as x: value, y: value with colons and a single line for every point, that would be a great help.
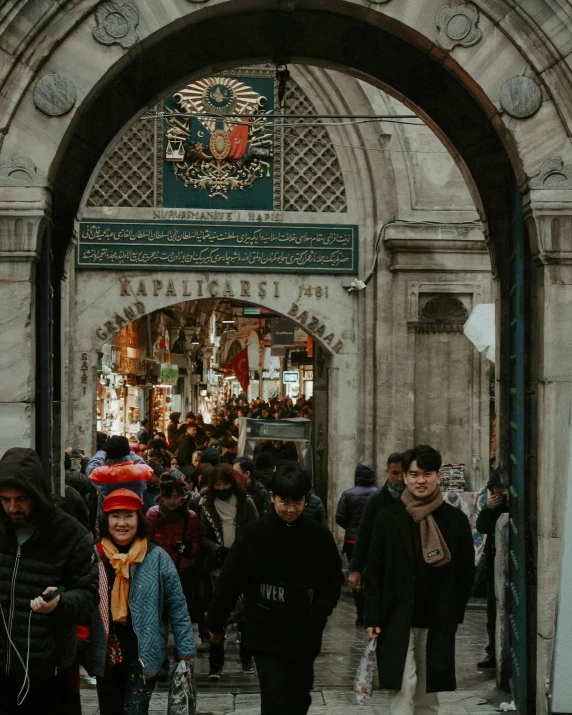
x: 433, y: 545
x: 121, y: 564
x: 227, y: 512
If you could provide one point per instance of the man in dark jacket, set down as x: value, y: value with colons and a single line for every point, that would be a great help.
x: 245, y: 467
x: 186, y: 445
x: 289, y: 570
x: 264, y: 469
x: 41, y: 549
x: 382, y: 498
x: 420, y: 573
x: 486, y: 524
x: 348, y: 516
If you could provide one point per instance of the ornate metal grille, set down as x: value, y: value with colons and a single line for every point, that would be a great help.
x: 308, y: 175
x: 128, y: 176
x: 312, y: 177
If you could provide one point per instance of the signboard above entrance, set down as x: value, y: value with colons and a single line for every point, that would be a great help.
x: 211, y: 246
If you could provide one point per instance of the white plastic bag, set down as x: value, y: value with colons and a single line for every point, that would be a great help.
x: 183, y: 691
x: 363, y: 682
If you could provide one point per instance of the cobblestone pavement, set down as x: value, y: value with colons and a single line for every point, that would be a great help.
x: 335, y: 669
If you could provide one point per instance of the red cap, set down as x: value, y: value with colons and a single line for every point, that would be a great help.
x: 122, y: 500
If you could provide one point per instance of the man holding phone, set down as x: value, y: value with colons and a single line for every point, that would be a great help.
x: 48, y: 586
x: 486, y: 524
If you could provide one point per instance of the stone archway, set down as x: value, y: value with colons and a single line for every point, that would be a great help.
x: 105, y: 301
x: 404, y: 46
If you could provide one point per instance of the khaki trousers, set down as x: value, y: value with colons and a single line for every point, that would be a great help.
x: 412, y: 698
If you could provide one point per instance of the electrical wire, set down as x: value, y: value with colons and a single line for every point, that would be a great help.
x: 226, y: 117
x: 365, y: 280
x: 26, y: 683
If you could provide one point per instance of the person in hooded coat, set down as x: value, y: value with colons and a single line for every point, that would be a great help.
x: 486, y: 524
x: 348, y: 516
x: 264, y: 469
x: 117, y: 467
x: 41, y: 549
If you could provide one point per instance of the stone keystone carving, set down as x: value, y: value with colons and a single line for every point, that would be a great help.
x: 21, y: 171
x: 553, y: 175
x: 116, y: 24
x: 54, y: 94
x: 520, y: 97
x: 458, y: 26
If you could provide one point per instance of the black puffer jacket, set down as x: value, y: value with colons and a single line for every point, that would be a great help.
x: 352, y: 502
x: 314, y: 508
x: 59, y: 553
x: 378, y: 500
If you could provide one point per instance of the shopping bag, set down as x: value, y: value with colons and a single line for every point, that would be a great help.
x: 183, y: 691
x: 363, y: 682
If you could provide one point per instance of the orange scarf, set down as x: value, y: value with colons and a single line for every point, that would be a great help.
x: 121, y: 564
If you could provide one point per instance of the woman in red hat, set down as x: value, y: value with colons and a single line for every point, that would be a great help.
x: 140, y: 594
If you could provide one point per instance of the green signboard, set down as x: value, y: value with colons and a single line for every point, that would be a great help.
x: 211, y: 246
x: 215, y: 158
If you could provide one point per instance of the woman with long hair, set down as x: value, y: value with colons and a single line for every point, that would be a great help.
x: 226, y: 510
x: 140, y: 595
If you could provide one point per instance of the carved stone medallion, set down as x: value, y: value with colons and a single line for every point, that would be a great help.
x: 54, y: 94
x: 520, y: 97
x: 21, y: 171
x: 553, y: 176
x: 116, y: 24
x: 458, y: 26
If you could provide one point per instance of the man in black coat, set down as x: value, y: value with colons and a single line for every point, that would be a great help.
x: 290, y: 572
x: 420, y: 573
x: 245, y: 468
x: 41, y: 549
x: 380, y: 499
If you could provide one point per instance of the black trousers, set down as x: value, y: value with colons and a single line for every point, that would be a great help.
x: 57, y: 695
x: 124, y: 691
x: 216, y: 653
x: 285, y: 683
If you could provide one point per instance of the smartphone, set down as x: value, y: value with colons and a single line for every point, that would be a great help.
x: 50, y: 596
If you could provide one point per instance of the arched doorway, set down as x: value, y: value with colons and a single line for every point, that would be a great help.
x: 381, y: 47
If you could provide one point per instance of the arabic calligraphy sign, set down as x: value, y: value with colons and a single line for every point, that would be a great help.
x: 211, y: 246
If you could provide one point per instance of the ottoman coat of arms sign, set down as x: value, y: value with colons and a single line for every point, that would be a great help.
x: 215, y: 148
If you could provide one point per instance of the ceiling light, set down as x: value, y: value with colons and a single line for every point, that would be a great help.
x: 195, y: 339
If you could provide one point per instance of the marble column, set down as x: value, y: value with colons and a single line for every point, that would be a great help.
x: 23, y: 220
x: 549, y: 218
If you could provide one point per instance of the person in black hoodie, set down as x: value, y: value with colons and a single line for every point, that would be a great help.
x: 264, y: 469
x: 348, y: 516
x: 41, y: 549
x: 290, y: 572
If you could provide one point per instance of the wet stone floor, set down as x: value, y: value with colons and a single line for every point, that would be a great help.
x: 334, y: 672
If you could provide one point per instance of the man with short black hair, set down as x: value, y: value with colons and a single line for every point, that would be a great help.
x: 420, y: 573
x: 245, y: 467
x: 41, y: 549
x: 380, y: 499
x: 290, y: 572
x: 186, y: 445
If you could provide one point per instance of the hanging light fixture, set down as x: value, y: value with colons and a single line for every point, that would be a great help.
x: 195, y: 339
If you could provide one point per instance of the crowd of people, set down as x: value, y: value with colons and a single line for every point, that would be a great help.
x: 179, y: 530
